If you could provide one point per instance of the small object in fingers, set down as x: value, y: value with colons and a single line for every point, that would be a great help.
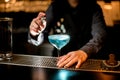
x: 43, y: 18
x: 44, y: 23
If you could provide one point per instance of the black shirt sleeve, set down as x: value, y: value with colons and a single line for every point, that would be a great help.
x: 98, y: 33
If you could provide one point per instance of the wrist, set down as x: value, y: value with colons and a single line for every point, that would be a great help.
x: 83, y: 53
x: 33, y: 36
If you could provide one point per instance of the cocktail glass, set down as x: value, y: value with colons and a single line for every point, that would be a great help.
x: 59, y: 41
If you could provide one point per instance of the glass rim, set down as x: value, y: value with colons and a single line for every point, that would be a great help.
x: 6, y: 19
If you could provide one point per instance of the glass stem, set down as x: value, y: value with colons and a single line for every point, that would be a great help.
x: 58, y: 52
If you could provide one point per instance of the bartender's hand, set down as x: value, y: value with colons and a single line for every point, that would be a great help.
x: 71, y: 58
x: 37, y: 25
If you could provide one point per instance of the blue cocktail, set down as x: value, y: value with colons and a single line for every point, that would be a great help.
x: 59, y: 41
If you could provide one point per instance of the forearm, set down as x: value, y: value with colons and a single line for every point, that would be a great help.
x: 98, y: 34
x: 93, y: 46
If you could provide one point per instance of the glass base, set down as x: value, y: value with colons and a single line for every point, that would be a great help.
x: 6, y: 56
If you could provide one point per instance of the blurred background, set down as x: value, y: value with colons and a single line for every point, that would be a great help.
x: 23, y: 11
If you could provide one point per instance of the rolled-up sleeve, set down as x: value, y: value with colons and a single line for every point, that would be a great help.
x: 98, y: 34
x: 37, y: 41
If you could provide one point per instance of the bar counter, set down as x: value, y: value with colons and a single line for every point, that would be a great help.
x: 24, y: 67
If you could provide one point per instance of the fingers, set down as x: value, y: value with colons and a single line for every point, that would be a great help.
x: 67, y: 62
x: 64, y: 61
x: 37, y: 24
x: 70, y: 63
x: 74, y: 57
x: 41, y: 20
x: 59, y: 58
x: 34, y: 28
x: 78, y: 64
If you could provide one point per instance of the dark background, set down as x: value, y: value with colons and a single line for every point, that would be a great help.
x: 21, y: 22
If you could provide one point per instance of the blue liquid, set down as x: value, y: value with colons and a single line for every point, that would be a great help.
x: 59, y: 40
